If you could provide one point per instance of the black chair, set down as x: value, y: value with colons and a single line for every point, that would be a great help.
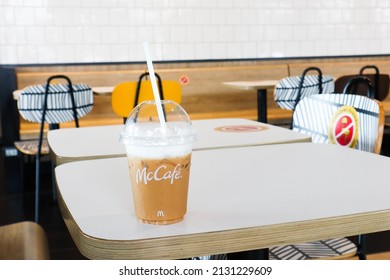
x: 380, y: 83
x: 352, y: 87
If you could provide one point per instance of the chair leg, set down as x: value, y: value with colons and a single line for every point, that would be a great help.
x: 37, y: 172
x: 260, y: 254
x: 21, y: 166
x: 362, y: 247
x: 53, y: 182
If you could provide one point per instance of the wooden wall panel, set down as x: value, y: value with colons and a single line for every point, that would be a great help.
x: 204, y: 95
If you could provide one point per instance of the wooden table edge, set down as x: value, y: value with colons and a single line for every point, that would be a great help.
x: 236, y: 240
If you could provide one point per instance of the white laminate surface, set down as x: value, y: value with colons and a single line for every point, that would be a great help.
x: 103, y: 90
x: 16, y: 94
x: 232, y: 189
x: 103, y: 141
x: 250, y: 85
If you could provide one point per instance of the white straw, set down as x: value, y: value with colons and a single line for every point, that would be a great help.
x: 154, y: 85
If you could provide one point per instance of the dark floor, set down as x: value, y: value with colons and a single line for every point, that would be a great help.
x: 19, y: 206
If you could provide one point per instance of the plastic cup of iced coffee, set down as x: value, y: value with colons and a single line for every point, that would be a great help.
x: 159, y: 160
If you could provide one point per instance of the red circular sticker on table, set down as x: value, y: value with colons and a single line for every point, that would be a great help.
x: 184, y: 80
x: 241, y: 128
x: 344, y: 128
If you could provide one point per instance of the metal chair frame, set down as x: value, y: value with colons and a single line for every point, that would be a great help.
x: 375, y: 93
x: 303, y: 80
x: 380, y: 83
x: 138, y: 90
x: 351, y: 86
x: 139, y: 84
x: 52, y: 126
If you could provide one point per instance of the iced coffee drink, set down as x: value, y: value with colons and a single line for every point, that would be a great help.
x: 159, y: 160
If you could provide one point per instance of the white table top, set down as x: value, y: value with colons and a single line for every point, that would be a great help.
x: 250, y: 85
x: 69, y: 144
x: 239, y: 199
x: 103, y: 90
x: 16, y: 94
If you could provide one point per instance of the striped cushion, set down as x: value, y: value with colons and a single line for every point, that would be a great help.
x: 286, y: 91
x: 324, y: 249
x: 314, y: 115
x: 59, y: 105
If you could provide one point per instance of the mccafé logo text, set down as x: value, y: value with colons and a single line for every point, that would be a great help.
x: 161, y: 173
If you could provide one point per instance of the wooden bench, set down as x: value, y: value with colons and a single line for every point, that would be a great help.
x: 204, y: 96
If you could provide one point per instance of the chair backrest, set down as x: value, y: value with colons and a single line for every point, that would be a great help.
x: 124, y: 95
x: 290, y: 90
x: 352, y: 85
x: 380, y: 83
x: 59, y: 99
x: 344, y: 119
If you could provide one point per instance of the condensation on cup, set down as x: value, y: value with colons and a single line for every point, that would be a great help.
x: 159, y: 159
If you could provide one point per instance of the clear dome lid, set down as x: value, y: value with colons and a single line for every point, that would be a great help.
x: 143, y: 127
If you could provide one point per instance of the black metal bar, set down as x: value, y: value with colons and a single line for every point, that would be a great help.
x: 51, y: 126
x: 54, y: 126
x: 376, y: 82
x: 362, y: 247
x: 369, y: 67
x: 71, y: 92
x: 53, y: 181
x: 138, y: 90
x: 38, y: 156
x: 9, y: 115
x: 303, y: 79
x: 260, y: 254
x: 262, y: 105
x: 301, y: 86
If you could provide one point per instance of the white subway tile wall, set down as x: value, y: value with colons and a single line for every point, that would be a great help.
x: 78, y: 31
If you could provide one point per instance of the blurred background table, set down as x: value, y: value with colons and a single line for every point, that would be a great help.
x: 102, y: 90
x: 261, y: 88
